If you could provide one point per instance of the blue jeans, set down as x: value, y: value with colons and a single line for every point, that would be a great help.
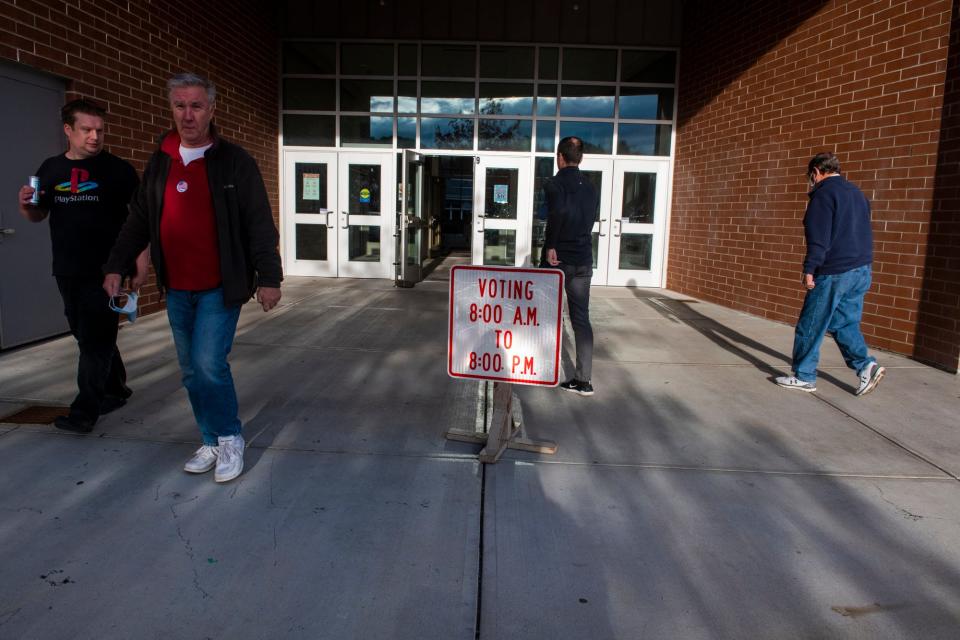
x: 834, y: 306
x: 576, y: 283
x: 203, y: 330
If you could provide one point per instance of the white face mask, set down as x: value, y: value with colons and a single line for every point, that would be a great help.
x: 129, y: 307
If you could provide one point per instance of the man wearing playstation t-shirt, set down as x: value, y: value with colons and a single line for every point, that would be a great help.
x: 85, y: 192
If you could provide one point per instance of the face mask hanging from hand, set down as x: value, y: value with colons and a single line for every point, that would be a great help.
x: 129, y: 308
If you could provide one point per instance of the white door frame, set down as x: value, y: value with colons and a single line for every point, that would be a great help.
x: 290, y: 218
x: 386, y: 220
x: 620, y: 226
x: 521, y: 225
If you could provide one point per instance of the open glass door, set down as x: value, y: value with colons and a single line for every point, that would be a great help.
x: 638, y: 223
x: 366, y: 215
x: 310, y: 218
x: 502, y: 219
x: 413, y: 227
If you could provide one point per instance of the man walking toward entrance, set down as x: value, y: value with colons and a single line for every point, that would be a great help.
x: 204, y: 210
x: 836, y: 275
x: 85, y: 192
x: 571, y: 208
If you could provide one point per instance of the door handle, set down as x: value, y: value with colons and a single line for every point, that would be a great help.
x: 346, y: 220
x: 328, y: 212
x: 8, y: 231
x: 619, y: 229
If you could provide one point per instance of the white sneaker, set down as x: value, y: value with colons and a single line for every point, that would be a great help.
x: 793, y: 382
x: 229, y: 459
x: 870, y: 378
x: 203, y: 460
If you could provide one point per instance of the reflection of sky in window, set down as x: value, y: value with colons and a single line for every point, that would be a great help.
x: 519, y: 106
x: 545, y: 131
x: 597, y: 136
x: 366, y: 129
x: 406, y: 132
x: 587, y: 106
x: 381, y: 128
x: 546, y: 106
x: 637, y: 139
x: 446, y: 133
x: 446, y: 105
x: 381, y: 103
x: 407, y: 104
x: 645, y: 106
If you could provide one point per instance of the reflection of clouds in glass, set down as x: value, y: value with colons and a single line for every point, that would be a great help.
x: 546, y: 106
x: 517, y: 106
x: 447, y: 105
x: 407, y: 104
x: 381, y: 128
x: 587, y: 106
x: 597, y: 136
x: 639, y: 106
x: 637, y: 139
x: 406, y: 132
x: 381, y: 103
x: 545, y: 133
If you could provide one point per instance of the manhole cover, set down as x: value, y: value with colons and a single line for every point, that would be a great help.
x: 36, y: 415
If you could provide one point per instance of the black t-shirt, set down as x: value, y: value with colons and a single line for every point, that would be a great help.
x: 87, y: 200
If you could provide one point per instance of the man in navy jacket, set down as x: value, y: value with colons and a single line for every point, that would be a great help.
x: 836, y: 275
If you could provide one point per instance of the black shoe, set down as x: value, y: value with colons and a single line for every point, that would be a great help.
x: 111, y: 403
x: 577, y: 386
x: 73, y: 423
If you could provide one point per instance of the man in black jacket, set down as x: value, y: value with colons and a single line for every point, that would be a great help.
x: 568, y: 245
x: 204, y: 211
x: 836, y: 275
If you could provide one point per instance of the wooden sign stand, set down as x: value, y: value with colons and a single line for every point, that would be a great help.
x: 506, y: 432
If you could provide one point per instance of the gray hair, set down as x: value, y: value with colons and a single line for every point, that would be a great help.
x: 182, y: 80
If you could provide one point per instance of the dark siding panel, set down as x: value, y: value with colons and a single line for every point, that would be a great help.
x: 573, y: 21
x: 463, y: 20
x: 408, y: 19
x: 353, y: 18
x: 298, y: 18
x: 662, y: 23
x: 603, y: 21
x: 519, y: 27
x: 436, y: 19
x: 381, y: 18
x: 546, y: 21
x: 630, y: 22
x: 492, y: 20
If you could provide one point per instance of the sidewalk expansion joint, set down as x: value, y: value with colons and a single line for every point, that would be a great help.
x: 890, y: 439
x: 654, y: 466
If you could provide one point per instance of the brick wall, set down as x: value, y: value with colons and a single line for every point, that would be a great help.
x: 121, y: 54
x: 938, y: 330
x: 763, y: 86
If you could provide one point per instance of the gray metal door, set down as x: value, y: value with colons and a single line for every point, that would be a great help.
x: 30, y: 305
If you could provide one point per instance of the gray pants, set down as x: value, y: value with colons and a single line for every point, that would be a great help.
x: 577, y: 286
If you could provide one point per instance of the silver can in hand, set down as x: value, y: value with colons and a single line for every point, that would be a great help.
x: 35, y: 183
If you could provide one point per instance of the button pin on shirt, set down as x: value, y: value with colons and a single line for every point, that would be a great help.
x: 182, y: 186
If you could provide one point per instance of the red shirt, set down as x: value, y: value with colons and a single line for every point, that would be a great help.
x: 188, y: 225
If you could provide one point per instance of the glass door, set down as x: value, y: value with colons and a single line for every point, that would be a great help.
x: 599, y: 171
x: 413, y: 227
x: 310, y: 218
x: 502, y: 219
x: 637, y: 223
x: 366, y: 245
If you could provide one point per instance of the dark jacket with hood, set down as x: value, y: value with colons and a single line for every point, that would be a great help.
x: 246, y: 235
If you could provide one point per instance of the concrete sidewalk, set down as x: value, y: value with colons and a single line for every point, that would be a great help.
x: 690, y: 497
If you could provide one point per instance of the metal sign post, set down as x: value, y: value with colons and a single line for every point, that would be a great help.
x: 505, y: 326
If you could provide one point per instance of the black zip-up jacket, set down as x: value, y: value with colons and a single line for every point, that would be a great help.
x: 246, y: 235
x: 571, y: 212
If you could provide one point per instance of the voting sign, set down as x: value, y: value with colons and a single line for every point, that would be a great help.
x: 505, y: 324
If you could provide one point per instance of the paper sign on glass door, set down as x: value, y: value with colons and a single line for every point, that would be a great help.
x: 501, y: 194
x: 311, y: 186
